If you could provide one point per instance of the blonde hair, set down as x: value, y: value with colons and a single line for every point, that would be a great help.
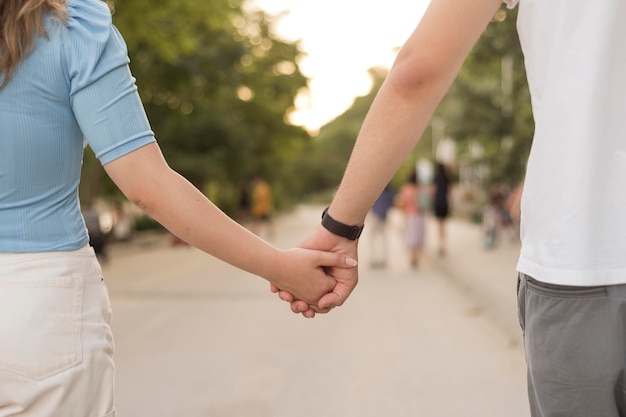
x: 21, y: 23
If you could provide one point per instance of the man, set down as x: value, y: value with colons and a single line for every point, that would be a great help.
x: 572, y: 286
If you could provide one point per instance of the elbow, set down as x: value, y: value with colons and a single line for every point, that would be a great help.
x: 155, y: 194
x: 143, y: 197
x: 414, y: 74
x: 143, y: 176
x: 139, y: 199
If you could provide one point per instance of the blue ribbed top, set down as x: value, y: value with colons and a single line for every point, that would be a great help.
x: 74, y: 87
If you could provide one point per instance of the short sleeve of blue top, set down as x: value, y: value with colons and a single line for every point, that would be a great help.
x: 74, y: 85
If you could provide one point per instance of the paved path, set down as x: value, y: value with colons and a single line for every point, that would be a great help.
x: 196, y: 337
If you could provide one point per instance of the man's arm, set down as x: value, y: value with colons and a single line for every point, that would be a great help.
x: 426, y: 66
x: 422, y: 73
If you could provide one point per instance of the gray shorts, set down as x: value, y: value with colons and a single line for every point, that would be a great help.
x: 575, y: 341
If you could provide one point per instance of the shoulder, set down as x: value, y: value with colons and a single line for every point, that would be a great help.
x: 92, y: 13
x: 89, y: 25
x: 84, y: 19
x: 93, y: 46
x: 89, y: 17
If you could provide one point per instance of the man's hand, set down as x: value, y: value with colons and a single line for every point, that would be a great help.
x: 346, y: 278
x: 304, y: 273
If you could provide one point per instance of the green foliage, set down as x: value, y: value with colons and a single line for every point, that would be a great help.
x: 323, y: 161
x: 489, y: 103
x: 487, y: 107
x: 217, y: 85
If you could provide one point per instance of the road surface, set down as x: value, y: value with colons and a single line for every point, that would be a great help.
x: 198, y: 338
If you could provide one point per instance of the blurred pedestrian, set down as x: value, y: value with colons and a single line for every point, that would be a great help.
x: 491, y: 221
x: 243, y: 203
x: 64, y: 76
x: 262, y: 208
x: 415, y: 219
x: 378, y: 227
x: 441, y: 183
x: 98, y: 237
x: 495, y: 216
x: 513, y: 207
x: 572, y: 281
x: 123, y: 224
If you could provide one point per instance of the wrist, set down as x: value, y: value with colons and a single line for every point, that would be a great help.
x: 350, y: 232
x: 270, y: 265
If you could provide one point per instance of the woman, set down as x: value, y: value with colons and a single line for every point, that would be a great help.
x: 442, y: 206
x: 377, y: 225
x: 64, y: 76
x: 415, y: 226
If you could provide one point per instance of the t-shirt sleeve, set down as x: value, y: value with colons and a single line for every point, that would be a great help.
x: 102, y: 91
x: 510, y: 3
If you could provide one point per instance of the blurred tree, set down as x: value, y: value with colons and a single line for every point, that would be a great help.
x: 217, y: 85
x: 487, y: 108
x: 322, y: 163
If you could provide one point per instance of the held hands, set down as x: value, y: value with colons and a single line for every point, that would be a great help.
x: 344, y: 276
x: 304, y: 274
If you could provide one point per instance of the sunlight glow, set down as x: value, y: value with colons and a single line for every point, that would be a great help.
x: 342, y: 39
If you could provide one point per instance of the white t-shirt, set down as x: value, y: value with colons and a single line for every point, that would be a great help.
x: 574, y: 200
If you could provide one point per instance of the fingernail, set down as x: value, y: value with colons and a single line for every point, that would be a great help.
x: 350, y: 261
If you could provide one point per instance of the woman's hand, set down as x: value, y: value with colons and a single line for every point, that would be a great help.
x: 308, y: 275
x: 345, y: 278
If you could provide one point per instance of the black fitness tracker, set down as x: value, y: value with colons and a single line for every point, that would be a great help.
x: 340, y: 229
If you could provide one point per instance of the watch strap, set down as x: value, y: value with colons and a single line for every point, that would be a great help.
x: 340, y: 229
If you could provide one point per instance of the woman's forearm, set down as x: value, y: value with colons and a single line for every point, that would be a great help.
x: 207, y: 228
x: 175, y: 203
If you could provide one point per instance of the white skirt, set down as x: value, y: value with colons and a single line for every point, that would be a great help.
x: 56, y: 345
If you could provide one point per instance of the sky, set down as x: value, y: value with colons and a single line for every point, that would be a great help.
x: 342, y: 39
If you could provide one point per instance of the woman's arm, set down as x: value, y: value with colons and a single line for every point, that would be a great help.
x: 147, y: 180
